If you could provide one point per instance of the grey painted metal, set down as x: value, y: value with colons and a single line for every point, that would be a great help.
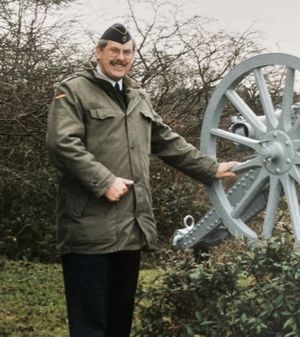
x: 209, y: 230
x: 274, y: 139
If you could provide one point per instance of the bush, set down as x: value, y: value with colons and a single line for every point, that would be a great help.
x: 36, y: 52
x: 249, y: 293
x: 27, y: 224
x: 175, y: 196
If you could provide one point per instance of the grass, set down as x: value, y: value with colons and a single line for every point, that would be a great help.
x: 32, y: 299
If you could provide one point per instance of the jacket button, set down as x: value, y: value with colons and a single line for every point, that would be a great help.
x: 95, y: 182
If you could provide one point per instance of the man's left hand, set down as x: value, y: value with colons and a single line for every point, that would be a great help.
x: 224, y: 170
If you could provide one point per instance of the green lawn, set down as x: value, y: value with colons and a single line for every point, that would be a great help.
x: 32, y: 299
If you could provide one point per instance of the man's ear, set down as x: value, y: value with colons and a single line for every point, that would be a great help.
x: 98, y: 53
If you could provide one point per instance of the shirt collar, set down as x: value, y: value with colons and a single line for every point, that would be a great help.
x: 112, y: 82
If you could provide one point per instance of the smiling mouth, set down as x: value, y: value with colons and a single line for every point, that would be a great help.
x: 118, y: 65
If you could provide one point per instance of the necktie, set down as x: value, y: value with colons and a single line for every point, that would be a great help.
x: 121, y: 93
x: 118, y: 90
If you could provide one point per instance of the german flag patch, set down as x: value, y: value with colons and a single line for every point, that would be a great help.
x: 59, y: 95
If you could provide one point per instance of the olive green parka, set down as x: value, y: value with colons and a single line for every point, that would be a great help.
x: 93, y: 137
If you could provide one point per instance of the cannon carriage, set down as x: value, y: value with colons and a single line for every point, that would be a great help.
x: 266, y: 141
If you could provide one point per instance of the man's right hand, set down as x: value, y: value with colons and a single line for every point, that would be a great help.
x: 117, y: 190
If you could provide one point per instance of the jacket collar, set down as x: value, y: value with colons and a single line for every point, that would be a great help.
x: 134, y: 91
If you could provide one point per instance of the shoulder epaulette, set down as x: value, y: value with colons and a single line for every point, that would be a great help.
x: 69, y: 78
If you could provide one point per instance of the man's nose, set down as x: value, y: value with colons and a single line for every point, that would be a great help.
x: 121, y: 55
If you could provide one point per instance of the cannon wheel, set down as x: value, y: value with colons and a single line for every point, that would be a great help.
x: 275, y: 149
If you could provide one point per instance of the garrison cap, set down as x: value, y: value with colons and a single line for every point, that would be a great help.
x: 118, y: 33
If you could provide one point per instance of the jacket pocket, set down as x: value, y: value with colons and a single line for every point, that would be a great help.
x: 78, y: 204
x: 102, y: 113
x: 73, y: 199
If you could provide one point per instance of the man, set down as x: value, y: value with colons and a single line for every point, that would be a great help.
x: 100, y: 138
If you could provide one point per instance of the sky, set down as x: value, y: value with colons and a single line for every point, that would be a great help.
x: 277, y: 20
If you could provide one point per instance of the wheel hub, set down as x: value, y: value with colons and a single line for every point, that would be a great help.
x: 277, y: 152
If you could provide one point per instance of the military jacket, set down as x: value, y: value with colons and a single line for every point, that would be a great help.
x: 93, y: 137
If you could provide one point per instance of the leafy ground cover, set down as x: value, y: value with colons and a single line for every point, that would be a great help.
x: 233, y: 293
x: 243, y: 292
x: 32, y: 299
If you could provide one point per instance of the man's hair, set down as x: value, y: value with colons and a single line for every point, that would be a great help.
x: 103, y: 43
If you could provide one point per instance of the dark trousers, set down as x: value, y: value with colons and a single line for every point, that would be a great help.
x: 100, y: 292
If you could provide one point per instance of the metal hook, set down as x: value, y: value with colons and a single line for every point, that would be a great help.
x: 188, y: 221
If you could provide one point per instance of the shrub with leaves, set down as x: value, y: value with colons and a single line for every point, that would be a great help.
x: 175, y: 196
x: 252, y: 292
x: 36, y: 51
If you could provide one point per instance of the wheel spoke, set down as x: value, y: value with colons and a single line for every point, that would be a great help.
x: 266, y: 101
x: 249, y: 142
x: 251, y: 194
x: 287, y: 101
x: 247, y: 165
x: 295, y: 128
x: 296, y: 144
x: 236, y: 226
x: 272, y: 204
x: 290, y: 191
x: 246, y: 111
x: 297, y: 158
x: 295, y: 174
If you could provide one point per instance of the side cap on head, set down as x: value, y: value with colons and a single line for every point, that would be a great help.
x: 118, y: 33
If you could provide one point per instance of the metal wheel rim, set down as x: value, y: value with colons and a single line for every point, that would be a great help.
x: 278, y: 182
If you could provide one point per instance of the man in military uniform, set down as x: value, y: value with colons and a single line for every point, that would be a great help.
x: 101, y: 131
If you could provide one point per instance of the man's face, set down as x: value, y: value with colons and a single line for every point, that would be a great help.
x: 115, y: 59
